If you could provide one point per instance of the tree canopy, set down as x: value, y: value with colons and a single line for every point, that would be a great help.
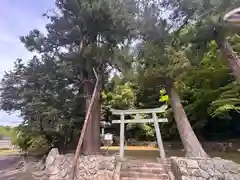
x: 141, y: 56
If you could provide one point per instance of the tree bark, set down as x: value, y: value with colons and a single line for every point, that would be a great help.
x: 96, y: 117
x: 88, y: 138
x: 83, y: 133
x: 91, y: 141
x: 231, y: 57
x: 190, y: 142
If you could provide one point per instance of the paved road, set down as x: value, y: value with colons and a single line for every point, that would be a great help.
x: 8, y: 169
x: 7, y: 162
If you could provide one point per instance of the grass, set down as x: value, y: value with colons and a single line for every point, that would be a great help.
x: 144, y: 152
x: 135, y: 152
x: 8, y: 151
x: 130, y: 148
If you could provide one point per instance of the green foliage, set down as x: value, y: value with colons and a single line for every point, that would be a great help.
x: 121, y: 97
x: 22, y: 140
x: 31, y: 142
x: 47, y: 101
x: 49, y: 90
x: 7, y: 131
x: 199, y: 22
x: 228, y: 101
x: 38, y: 145
x: 163, y: 96
x: 203, y: 79
x: 209, y: 92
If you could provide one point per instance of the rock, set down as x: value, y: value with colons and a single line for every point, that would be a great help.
x: 194, y: 172
x: 211, y: 171
x: 229, y: 176
x: 218, y: 174
x: 103, y: 176
x: 42, y: 167
x: 109, y: 164
x: 186, y: 178
x: 183, y: 171
x: 204, y: 174
x: 181, y: 162
x: 90, y: 167
x: 21, y: 165
x: 192, y: 163
x: 205, y: 168
x: 52, y: 155
x: 39, y: 165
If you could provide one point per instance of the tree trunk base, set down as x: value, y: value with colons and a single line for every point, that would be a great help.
x: 189, y: 140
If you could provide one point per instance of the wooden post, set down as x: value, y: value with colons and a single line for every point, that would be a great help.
x: 122, y: 138
x: 137, y: 116
x: 159, y: 137
x: 103, y: 131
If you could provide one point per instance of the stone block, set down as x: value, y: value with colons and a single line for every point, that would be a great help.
x: 183, y: 171
x: 229, y: 176
x: 205, y: 168
x: 52, y: 155
x: 204, y: 174
x: 95, y: 167
x: 194, y: 172
x: 192, y: 163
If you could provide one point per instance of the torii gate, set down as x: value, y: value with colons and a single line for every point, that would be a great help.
x: 137, y: 119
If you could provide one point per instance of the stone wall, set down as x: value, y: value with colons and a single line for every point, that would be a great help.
x: 204, y: 169
x: 97, y: 167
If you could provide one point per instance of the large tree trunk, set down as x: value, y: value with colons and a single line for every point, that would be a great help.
x: 88, y: 137
x: 231, y: 57
x: 84, y: 129
x: 91, y: 141
x: 190, y: 142
x: 96, y: 117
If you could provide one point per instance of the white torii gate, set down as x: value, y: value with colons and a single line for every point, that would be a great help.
x: 137, y: 119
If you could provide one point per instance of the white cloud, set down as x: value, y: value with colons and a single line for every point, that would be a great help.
x: 9, y: 120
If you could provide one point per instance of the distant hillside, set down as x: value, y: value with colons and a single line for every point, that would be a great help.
x: 8, y: 131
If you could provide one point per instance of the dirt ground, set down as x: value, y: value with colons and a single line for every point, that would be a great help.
x: 9, y: 169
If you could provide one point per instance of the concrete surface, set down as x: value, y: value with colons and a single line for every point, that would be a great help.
x: 9, y: 171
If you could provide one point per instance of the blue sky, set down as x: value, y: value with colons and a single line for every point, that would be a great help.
x: 17, y: 18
